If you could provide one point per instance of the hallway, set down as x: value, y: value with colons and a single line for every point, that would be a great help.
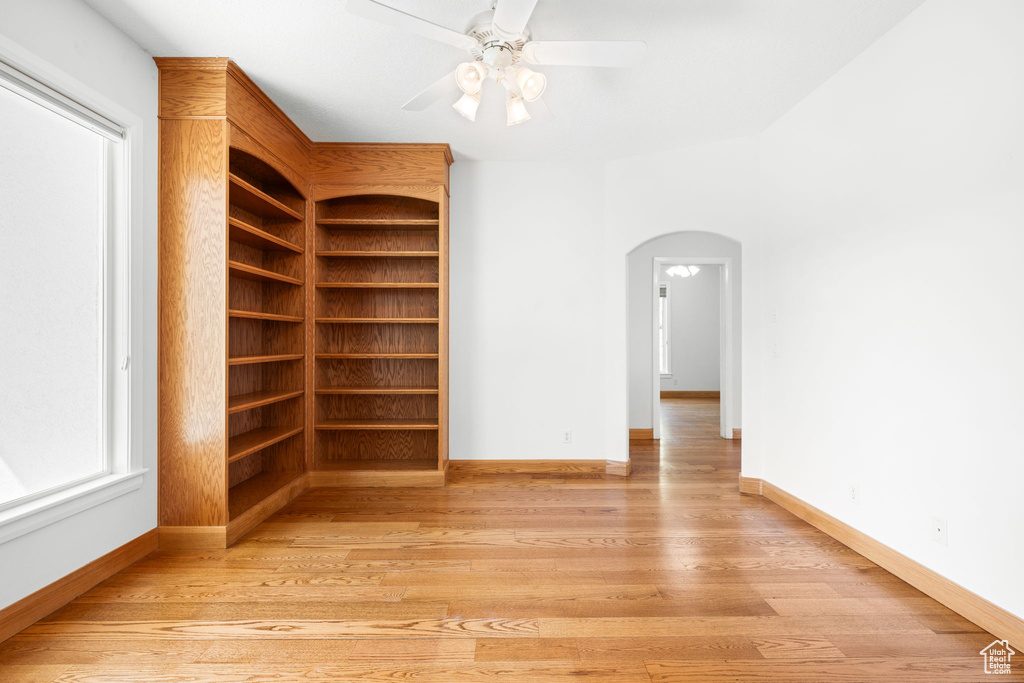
x: 669, y: 575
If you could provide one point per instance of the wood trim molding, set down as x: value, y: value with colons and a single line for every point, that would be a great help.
x: 193, y: 537
x: 641, y: 434
x: 528, y: 466
x: 618, y: 468
x: 750, y: 485
x: 737, y: 433
x: 967, y: 604
x: 691, y: 394
x: 30, y: 609
x: 374, y: 479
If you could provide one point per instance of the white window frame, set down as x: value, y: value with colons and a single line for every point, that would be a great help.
x: 665, y: 340
x: 34, y: 79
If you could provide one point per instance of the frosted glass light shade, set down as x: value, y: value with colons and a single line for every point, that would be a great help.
x: 467, y: 105
x: 531, y: 83
x: 516, y: 110
x: 470, y: 77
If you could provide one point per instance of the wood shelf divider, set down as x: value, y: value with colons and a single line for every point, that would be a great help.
x: 409, y: 390
x: 244, y: 270
x: 257, y: 399
x: 400, y: 223
x: 249, y: 360
x: 374, y: 321
x: 256, y: 489
x: 257, y: 201
x: 249, y: 442
x: 257, y: 315
x: 377, y: 285
x: 407, y: 356
x: 349, y: 424
x: 240, y: 231
x: 378, y: 254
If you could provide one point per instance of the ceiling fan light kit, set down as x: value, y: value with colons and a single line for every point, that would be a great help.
x: 468, y: 104
x: 498, y: 42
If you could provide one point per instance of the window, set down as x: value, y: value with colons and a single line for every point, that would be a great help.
x: 664, y: 330
x: 63, y: 293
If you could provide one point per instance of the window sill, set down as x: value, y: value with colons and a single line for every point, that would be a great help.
x: 41, y: 512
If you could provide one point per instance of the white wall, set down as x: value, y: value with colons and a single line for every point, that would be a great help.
x: 708, y: 188
x: 71, y: 37
x: 641, y: 327
x: 526, y: 316
x: 893, y: 214
x: 694, y: 330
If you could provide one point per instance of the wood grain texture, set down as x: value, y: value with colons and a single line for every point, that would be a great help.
x: 643, y: 434
x: 193, y: 537
x: 954, y: 596
x: 618, y: 468
x: 667, y: 574
x: 385, y: 164
x: 691, y: 394
x: 529, y: 466
x: 191, y: 92
x: 750, y: 485
x: 192, y: 322
x: 737, y: 433
x: 252, y: 111
x: 34, y: 607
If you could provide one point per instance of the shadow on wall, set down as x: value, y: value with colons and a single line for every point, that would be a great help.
x: 640, y: 324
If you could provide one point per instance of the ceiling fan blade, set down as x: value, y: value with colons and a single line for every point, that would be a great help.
x: 511, y: 16
x: 585, y: 52
x: 368, y: 9
x: 432, y: 93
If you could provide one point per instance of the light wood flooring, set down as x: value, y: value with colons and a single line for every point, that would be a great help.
x: 669, y: 575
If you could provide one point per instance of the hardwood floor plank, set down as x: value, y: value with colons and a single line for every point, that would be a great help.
x: 844, y: 670
x: 669, y: 648
x: 809, y: 647
x: 46, y: 673
x: 433, y: 650
x: 668, y: 574
x: 277, y: 652
x: 297, y: 629
x: 505, y: 672
x: 724, y: 626
x: 56, y: 650
x: 526, y: 650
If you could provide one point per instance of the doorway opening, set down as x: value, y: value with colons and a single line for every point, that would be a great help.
x: 692, y: 352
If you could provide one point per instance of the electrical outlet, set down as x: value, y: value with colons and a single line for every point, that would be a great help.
x: 566, y: 436
x: 854, y: 494
x: 775, y: 349
x: 939, y: 530
x: 775, y: 315
x: 675, y: 383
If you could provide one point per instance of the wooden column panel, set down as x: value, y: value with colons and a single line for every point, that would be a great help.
x: 192, y: 320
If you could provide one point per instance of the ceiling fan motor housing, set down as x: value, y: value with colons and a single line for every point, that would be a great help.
x: 497, y: 51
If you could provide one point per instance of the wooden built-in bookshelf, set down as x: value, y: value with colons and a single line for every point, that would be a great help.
x: 379, y: 310
x: 303, y: 308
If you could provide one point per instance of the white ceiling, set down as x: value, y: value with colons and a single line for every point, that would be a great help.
x: 716, y: 69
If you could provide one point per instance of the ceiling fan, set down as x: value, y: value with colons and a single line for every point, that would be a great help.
x: 499, y: 42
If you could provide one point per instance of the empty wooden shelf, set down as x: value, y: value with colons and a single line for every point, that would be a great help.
x: 303, y: 308
x: 424, y: 223
x: 241, y: 231
x: 379, y: 254
x: 378, y: 424
x: 255, y: 399
x: 378, y: 390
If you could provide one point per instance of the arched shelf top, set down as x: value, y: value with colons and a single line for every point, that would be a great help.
x: 258, y: 172
x: 378, y: 208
